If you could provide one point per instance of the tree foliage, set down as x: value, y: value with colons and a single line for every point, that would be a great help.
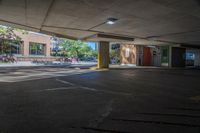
x: 7, y: 35
x: 115, y: 53
x: 78, y: 49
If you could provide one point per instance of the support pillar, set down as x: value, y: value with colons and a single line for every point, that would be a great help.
x: 47, y: 50
x: 25, y: 49
x: 170, y: 56
x: 103, y: 55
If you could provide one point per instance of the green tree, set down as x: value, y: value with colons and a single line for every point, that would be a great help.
x: 7, y: 35
x: 78, y: 49
x: 115, y: 53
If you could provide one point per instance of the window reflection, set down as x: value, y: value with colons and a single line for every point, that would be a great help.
x: 10, y: 47
x: 36, y: 48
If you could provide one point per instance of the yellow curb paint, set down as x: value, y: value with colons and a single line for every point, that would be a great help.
x: 98, y: 69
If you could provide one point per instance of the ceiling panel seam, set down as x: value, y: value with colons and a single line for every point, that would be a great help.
x: 47, y: 13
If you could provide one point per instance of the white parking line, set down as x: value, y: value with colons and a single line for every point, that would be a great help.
x: 93, y: 89
x: 87, y: 88
x: 65, y: 82
x: 61, y: 88
x: 42, y: 75
x: 77, y: 86
x: 68, y: 88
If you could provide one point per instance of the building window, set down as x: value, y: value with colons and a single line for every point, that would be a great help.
x: 36, y: 48
x: 165, y: 54
x: 9, y: 47
x: 165, y: 51
x: 190, y: 56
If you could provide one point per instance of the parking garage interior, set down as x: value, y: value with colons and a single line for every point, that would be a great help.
x: 155, y: 89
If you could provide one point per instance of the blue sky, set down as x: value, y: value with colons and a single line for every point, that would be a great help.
x: 92, y: 44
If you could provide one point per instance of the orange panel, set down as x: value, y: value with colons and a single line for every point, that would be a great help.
x: 146, y: 56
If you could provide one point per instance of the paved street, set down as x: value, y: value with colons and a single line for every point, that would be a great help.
x: 71, y: 100
x: 17, y: 74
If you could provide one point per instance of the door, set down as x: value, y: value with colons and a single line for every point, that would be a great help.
x: 146, y: 56
x: 178, y: 57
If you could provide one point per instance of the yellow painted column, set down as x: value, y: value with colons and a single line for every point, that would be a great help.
x: 103, y: 55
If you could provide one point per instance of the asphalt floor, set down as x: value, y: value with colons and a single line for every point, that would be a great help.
x: 72, y: 100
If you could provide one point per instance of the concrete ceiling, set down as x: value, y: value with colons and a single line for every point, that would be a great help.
x: 172, y: 21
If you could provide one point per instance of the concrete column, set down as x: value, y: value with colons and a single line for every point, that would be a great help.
x: 26, y: 48
x: 47, y: 50
x: 127, y: 54
x: 197, y: 58
x: 170, y: 56
x: 103, y: 54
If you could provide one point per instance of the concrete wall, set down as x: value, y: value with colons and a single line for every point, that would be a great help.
x: 127, y: 54
x: 197, y: 58
x: 36, y: 38
x: 154, y: 59
x: 156, y: 56
x: 139, y: 55
x: 178, y: 57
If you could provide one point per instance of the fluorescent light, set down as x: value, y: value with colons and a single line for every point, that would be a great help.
x: 111, y: 21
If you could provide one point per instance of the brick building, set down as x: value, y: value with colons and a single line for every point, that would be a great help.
x: 32, y: 46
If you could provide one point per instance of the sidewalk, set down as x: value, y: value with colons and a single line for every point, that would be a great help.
x: 130, y: 66
x: 55, y: 63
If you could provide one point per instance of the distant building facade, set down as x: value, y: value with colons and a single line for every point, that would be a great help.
x: 31, y: 44
x: 31, y: 47
x: 155, y: 55
x: 34, y: 44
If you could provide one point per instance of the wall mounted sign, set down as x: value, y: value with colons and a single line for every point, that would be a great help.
x: 127, y: 52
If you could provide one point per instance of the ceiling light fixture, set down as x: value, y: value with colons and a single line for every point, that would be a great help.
x: 111, y: 21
